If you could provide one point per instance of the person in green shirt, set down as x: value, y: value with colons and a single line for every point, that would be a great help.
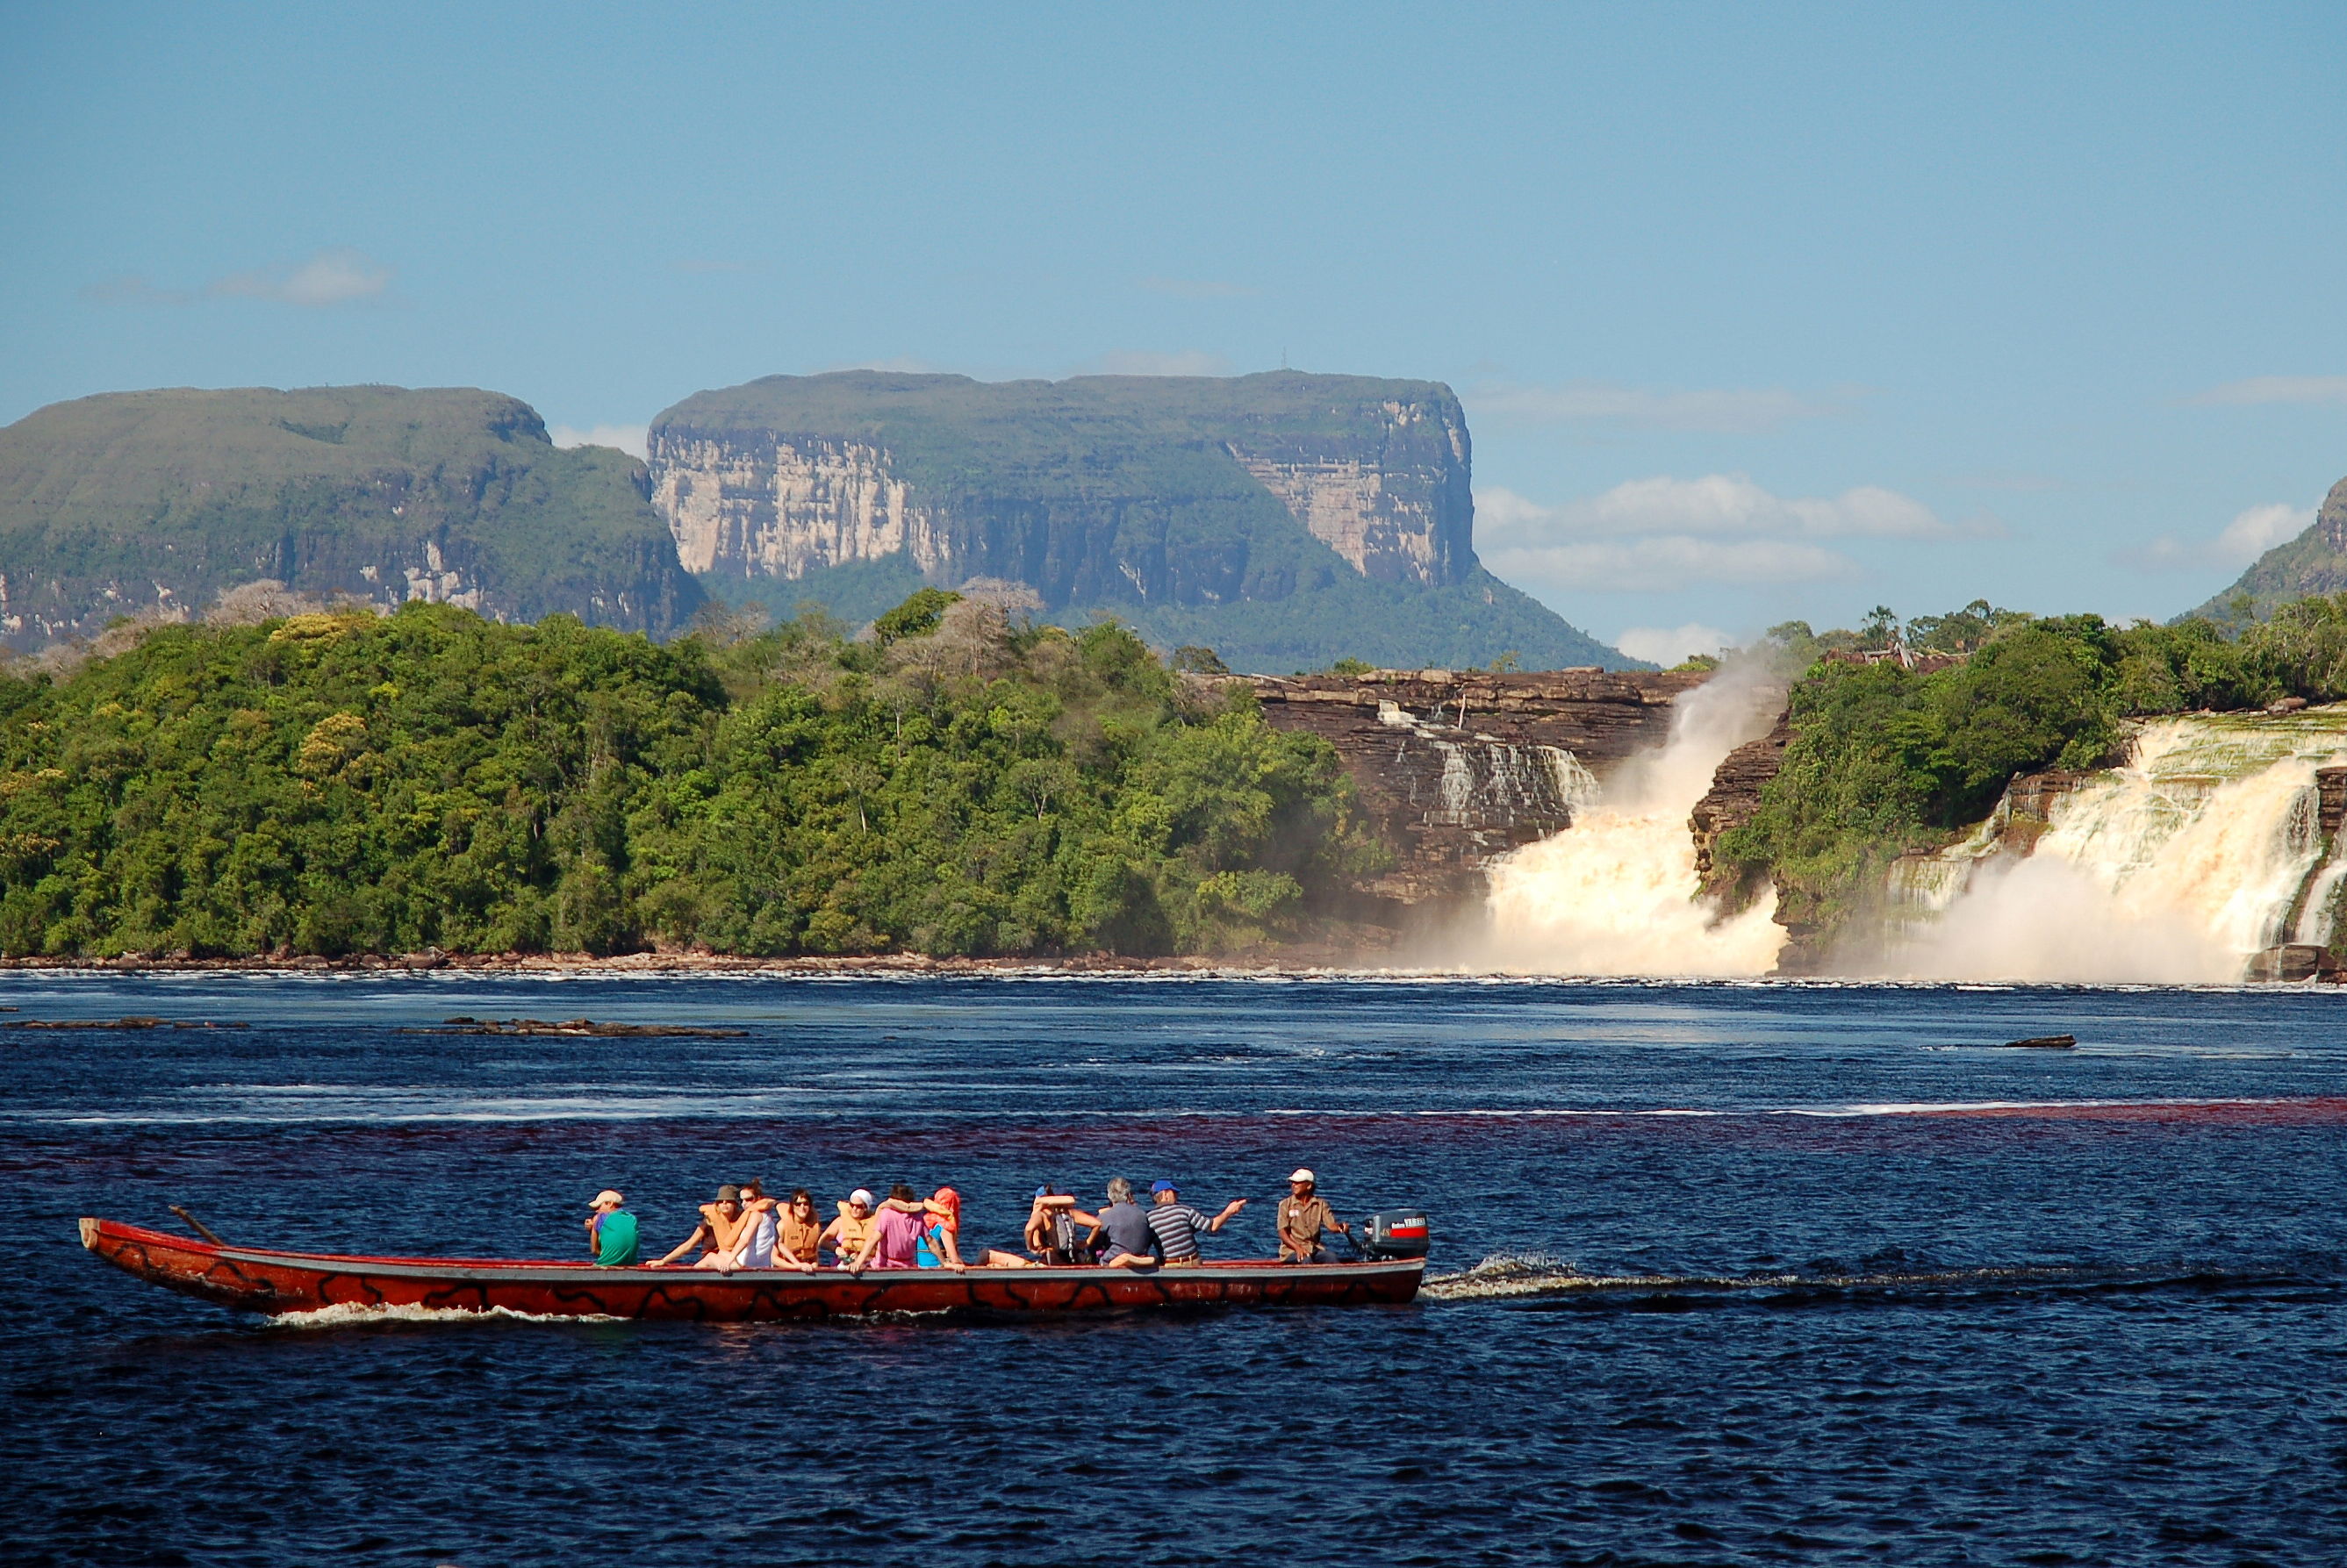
x: 610, y: 1231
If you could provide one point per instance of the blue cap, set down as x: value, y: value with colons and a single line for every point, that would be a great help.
x: 1042, y: 1192
x: 1164, y: 1187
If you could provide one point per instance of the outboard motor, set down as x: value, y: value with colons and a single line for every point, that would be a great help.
x: 1394, y: 1233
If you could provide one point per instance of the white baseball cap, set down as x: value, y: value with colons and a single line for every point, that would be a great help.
x: 863, y: 1195
x: 607, y: 1199
x: 1301, y: 1174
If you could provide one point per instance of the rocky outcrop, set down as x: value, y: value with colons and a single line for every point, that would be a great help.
x: 1400, y: 511
x: 2330, y: 800
x: 1281, y: 518
x: 158, y: 502
x: 785, y: 509
x: 1732, y: 800
x: 1455, y: 766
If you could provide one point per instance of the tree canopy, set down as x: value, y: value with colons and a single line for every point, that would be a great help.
x: 343, y: 782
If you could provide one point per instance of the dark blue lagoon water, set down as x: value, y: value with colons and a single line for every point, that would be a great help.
x: 1872, y: 1289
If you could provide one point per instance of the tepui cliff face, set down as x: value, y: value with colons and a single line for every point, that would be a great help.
x: 160, y: 501
x: 1282, y: 516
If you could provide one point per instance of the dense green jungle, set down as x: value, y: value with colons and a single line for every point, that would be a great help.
x: 952, y: 783
x: 1885, y: 759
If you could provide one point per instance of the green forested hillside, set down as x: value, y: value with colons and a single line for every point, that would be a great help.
x: 331, y: 783
x: 2313, y: 562
x: 159, y: 500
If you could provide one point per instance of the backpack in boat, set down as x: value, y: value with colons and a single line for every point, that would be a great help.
x: 1067, y: 1250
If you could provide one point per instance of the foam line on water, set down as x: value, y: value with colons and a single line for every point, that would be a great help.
x: 1521, y: 1277
x: 351, y: 1315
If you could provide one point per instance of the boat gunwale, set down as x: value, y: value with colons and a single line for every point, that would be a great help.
x: 563, y: 1271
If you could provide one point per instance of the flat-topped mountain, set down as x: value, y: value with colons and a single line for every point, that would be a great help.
x: 1284, y: 519
x: 160, y: 500
x: 2313, y: 562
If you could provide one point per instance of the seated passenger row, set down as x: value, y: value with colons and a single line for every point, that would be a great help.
x: 744, y: 1229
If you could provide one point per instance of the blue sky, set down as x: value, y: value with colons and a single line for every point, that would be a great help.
x: 1758, y: 313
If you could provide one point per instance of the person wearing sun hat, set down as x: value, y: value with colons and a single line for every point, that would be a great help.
x: 1303, y: 1216
x: 611, y: 1230
x: 723, y: 1226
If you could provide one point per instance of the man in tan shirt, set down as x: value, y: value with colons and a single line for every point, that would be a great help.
x: 1303, y: 1216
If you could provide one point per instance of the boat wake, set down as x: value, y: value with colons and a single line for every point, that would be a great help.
x: 352, y: 1315
x: 1515, y: 1277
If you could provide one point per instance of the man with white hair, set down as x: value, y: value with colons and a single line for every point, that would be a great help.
x: 1122, y: 1232
x: 1304, y: 1214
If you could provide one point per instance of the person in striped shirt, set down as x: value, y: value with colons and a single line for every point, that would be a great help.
x: 1176, y: 1224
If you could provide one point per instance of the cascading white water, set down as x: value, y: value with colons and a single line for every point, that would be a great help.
x: 2174, y: 869
x: 1616, y: 893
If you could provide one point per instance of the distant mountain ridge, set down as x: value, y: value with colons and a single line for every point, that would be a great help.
x: 160, y: 500
x: 1285, y: 519
x: 2313, y: 562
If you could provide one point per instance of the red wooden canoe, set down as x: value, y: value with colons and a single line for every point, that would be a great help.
x: 257, y: 1279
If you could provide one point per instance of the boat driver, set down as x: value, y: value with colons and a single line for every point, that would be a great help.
x: 1304, y: 1214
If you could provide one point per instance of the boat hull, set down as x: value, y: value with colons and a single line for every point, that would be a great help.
x: 255, y: 1279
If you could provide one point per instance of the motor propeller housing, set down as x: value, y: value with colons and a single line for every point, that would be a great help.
x: 1394, y: 1233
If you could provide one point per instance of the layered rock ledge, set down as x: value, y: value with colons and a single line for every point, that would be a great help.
x: 1454, y: 767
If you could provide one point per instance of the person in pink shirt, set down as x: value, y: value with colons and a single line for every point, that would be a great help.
x: 896, y: 1233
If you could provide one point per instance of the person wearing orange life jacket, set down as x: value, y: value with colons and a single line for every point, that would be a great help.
x: 723, y: 1229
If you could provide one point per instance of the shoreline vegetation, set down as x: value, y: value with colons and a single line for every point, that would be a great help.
x: 1286, y: 960
x: 955, y: 789
x: 1903, y: 736
x: 956, y: 782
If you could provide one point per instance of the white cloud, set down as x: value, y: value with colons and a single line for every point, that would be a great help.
x: 2261, y: 528
x: 1739, y: 410
x: 1719, y: 503
x: 1667, y: 645
x: 1658, y: 565
x: 2250, y: 533
x: 2261, y: 390
x: 1142, y: 363
x: 336, y: 276
x: 633, y: 439
x: 1198, y: 289
x: 1655, y: 534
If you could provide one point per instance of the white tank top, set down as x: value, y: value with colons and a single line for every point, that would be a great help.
x: 760, y: 1252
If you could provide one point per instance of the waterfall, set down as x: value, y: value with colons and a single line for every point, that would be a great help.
x: 1616, y: 893
x: 1487, y: 783
x: 2173, y: 869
